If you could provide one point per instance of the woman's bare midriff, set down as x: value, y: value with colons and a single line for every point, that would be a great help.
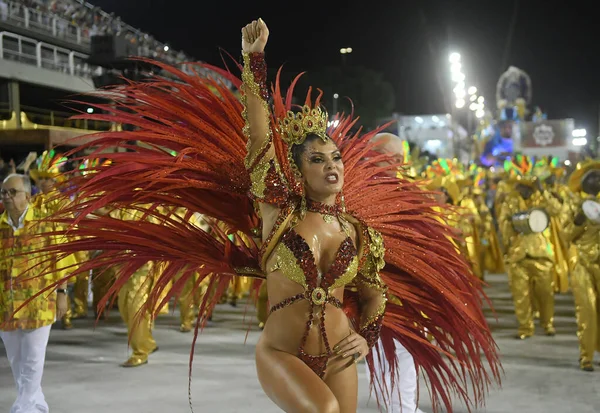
x: 285, y: 327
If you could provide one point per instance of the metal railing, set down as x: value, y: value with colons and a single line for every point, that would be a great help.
x: 34, y: 52
x: 30, y: 51
x: 39, y: 116
x: 43, y: 22
x: 49, y: 23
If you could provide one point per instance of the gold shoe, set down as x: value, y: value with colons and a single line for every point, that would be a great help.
x: 550, y: 331
x: 135, y: 361
x: 185, y: 329
x: 67, y: 325
x: 523, y: 336
x: 79, y: 316
x: 586, y: 366
x: 261, y: 325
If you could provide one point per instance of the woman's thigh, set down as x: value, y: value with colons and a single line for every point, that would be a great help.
x: 291, y: 384
x: 342, y: 379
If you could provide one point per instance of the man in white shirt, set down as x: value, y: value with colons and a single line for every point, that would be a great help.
x: 26, y: 315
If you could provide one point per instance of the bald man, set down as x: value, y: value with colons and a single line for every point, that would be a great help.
x: 26, y: 319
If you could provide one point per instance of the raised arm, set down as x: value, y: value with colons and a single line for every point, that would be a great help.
x: 255, y: 94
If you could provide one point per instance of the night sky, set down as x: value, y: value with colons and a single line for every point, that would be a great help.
x: 409, y: 42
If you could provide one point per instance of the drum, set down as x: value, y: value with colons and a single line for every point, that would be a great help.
x: 533, y: 221
x: 591, y: 209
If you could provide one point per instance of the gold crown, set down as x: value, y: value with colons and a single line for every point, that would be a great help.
x: 296, y: 126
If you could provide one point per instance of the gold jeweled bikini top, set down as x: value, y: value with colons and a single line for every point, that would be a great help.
x: 296, y: 260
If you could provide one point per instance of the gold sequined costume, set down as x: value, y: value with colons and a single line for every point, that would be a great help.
x: 530, y: 259
x: 133, y: 296
x: 133, y: 302
x: 585, y: 279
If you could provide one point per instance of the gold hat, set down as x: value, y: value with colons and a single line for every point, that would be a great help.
x: 528, y: 180
x: 579, y: 173
x: 296, y: 126
x: 47, y: 166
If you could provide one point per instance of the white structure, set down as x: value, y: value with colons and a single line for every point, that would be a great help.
x: 435, y: 133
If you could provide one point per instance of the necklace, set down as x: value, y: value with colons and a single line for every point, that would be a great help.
x: 330, y: 213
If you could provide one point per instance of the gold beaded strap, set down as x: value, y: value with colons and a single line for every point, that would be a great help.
x: 254, y: 76
x: 368, y: 277
x: 373, y: 263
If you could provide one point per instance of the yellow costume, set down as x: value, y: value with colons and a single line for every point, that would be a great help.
x: 189, y: 301
x: 560, y: 248
x: 529, y: 259
x: 133, y: 297
x: 586, y: 272
x: 102, y: 281
x: 238, y: 289
x: 472, y: 222
x: 493, y: 260
x: 15, y: 290
x: 52, y: 205
x: 48, y: 167
x: 81, y: 288
x: 191, y: 294
x: 549, y: 174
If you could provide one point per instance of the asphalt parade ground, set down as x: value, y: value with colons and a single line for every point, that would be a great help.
x: 83, y: 375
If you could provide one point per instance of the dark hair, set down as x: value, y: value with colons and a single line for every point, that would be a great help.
x: 298, y: 150
x: 4, y: 172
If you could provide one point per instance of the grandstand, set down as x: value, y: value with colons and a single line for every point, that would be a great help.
x: 72, y: 24
x: 48, y: 53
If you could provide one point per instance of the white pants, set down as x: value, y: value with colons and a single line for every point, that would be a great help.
x: 26, y: 352
x: 402, y: 398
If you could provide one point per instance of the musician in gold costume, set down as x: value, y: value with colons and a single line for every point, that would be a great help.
x: 102, y: 281
x: 550, y: 176
x: 132, y: 300
x: 472, y: 225
x: 81, y: 289
x: 583, y: 230
x: 529, y: 257
x: 192, y: 293
x: 46, y: 173
x: 239, y: 288
x: 81, y: 286
x: 493, y: 260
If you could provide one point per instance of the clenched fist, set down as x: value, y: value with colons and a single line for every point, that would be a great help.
x: 254, y: 37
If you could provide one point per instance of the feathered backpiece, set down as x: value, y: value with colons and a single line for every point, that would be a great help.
x: 190, y: 155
